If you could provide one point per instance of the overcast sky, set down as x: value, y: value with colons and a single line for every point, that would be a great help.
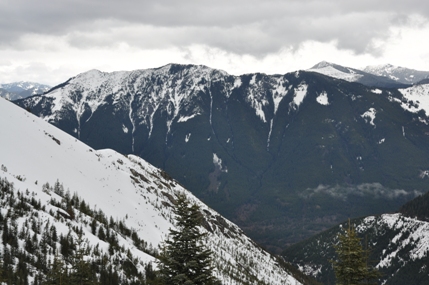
x: 49, y: 41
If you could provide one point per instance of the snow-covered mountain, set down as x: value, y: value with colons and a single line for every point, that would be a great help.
x: 355, y: 75
x: 127, y: 188
x: 289, y: 143
x: 400, y: 74
x: 22, y: 89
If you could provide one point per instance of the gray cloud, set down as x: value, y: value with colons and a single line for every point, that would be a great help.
x: 242, y: 27
x: 375, y: 190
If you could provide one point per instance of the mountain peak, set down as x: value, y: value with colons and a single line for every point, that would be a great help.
x: 323, y: 64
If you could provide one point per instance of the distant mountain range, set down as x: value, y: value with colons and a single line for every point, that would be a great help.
x: 283, y: 156
x: 399, y: 74
x: 20, y: 90
x: 58, y: 193
x: 387, y: 76
x: 398, y: 244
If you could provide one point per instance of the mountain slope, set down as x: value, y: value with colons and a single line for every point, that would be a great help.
x: 270, y: 152
x: 19, y: 90
x: 365, y: 77
x: 398, y: 73
x: 398, y: 243
x: 127, y: 188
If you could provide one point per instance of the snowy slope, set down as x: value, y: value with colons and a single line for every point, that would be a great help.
x: 33, y: 152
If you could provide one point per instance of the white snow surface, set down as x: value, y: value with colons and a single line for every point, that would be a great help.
x: 299, y: 95
x: 40, y: 153
x: 415, y: 98
x: 218, y: 163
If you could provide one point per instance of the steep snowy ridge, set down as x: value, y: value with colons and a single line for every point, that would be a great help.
x: 126, y: 187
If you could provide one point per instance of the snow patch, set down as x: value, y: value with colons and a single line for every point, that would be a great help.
x: 323, y: 98
x: 187, y: 118
x: 299, y: 95
x: 424, y: 173
x: 237, y: 82
x: 124, y: 129
x: 369, y: 116
x: 218, y: 163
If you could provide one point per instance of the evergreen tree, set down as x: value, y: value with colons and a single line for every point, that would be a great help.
x: 2, y: 278
x: 352, y: 265
x: 81, y: 271
x: 57, y: 273
x: 184, y: 259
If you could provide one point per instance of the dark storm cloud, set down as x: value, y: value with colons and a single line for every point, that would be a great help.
x: 253, y: 27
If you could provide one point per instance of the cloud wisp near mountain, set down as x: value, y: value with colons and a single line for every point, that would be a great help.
x: 284, y: 156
